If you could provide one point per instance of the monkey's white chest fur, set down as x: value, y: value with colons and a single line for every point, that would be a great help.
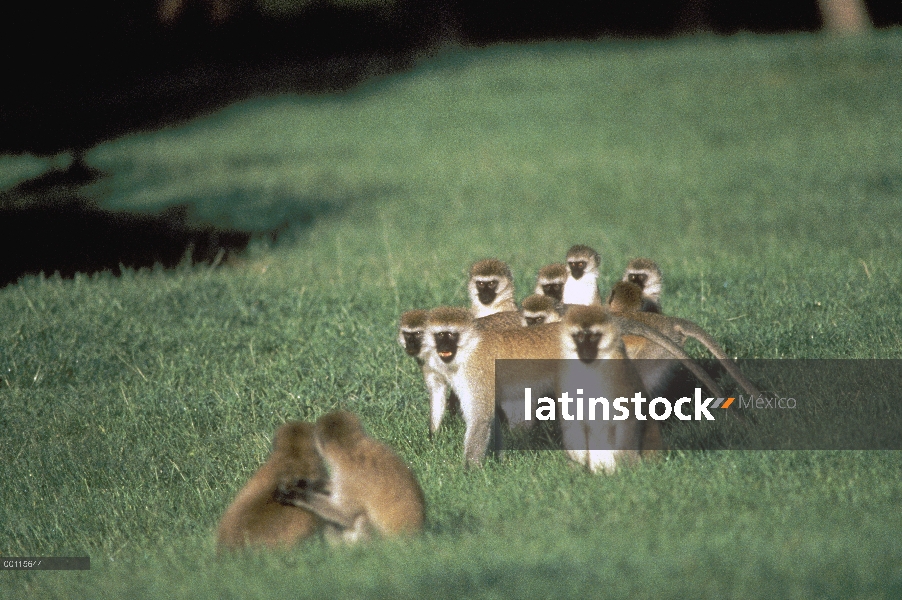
x: 582, y: 291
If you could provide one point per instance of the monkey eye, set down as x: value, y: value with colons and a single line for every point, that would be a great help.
x: 592, y: 337
x: 638, y: 278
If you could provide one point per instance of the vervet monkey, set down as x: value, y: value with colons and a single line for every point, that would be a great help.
x: 441, y: 397
x: 491, y: 287
x: 625, y: 300
x: 500, y: 320
x: 581, y: 286
x: 255, y: 517
x: 625, y: 297
x: 537, y: 309
x: 411, y: 331
x: 410, y: 336
x: 645, y: 273
x: 372, y: 490
x: 551, y: 279
x: 465, y: 355
x: 590, y: 336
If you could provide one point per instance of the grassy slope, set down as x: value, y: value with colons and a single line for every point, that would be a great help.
x: 762, y: 173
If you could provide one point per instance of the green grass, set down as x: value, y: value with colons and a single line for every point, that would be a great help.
x: 763, y: 174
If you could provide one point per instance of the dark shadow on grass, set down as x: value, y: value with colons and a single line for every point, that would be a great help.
x: 48, y: 226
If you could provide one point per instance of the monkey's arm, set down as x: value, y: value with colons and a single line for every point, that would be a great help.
x: 629, y: 327
x: 319, y: 504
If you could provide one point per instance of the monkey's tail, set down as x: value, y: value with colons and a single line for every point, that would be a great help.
x: 694, y: 330
x: 631, y: 327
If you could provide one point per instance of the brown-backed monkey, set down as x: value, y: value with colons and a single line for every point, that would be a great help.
x: 255, y: 517
x: 371, y: 489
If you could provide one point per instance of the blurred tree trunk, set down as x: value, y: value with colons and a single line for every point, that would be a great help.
x: 844, y: 16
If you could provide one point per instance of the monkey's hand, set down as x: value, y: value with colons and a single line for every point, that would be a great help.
x: 293, y: 491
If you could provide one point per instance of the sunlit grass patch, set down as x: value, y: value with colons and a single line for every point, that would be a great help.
x: 761, y: 173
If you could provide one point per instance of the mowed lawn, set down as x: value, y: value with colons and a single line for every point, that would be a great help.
x: 764, y: 174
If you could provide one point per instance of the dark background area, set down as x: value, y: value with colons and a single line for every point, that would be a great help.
x: 77, y: 74
x: 85, y: 72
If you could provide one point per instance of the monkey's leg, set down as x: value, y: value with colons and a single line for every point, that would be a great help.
x: 478, y: 414
x: 438, y: 390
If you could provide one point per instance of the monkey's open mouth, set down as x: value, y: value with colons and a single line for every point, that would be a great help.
x: 446, y: 355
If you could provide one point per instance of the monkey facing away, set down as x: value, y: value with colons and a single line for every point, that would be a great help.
x: 255, y: 517
x: 371, y: 489
x: 645, y: 273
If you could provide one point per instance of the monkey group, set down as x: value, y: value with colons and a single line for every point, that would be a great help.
x: 565, y: 318
x: 331, y: 477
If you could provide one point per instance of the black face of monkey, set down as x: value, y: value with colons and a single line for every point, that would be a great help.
x: 554, y: 290
x: 587, y: 342
x: 577, y: 268
x: 446, y: 344
x: 530, y: 321
x: 413, y: 342
x: 638, y: 278
x: 487, y: 290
